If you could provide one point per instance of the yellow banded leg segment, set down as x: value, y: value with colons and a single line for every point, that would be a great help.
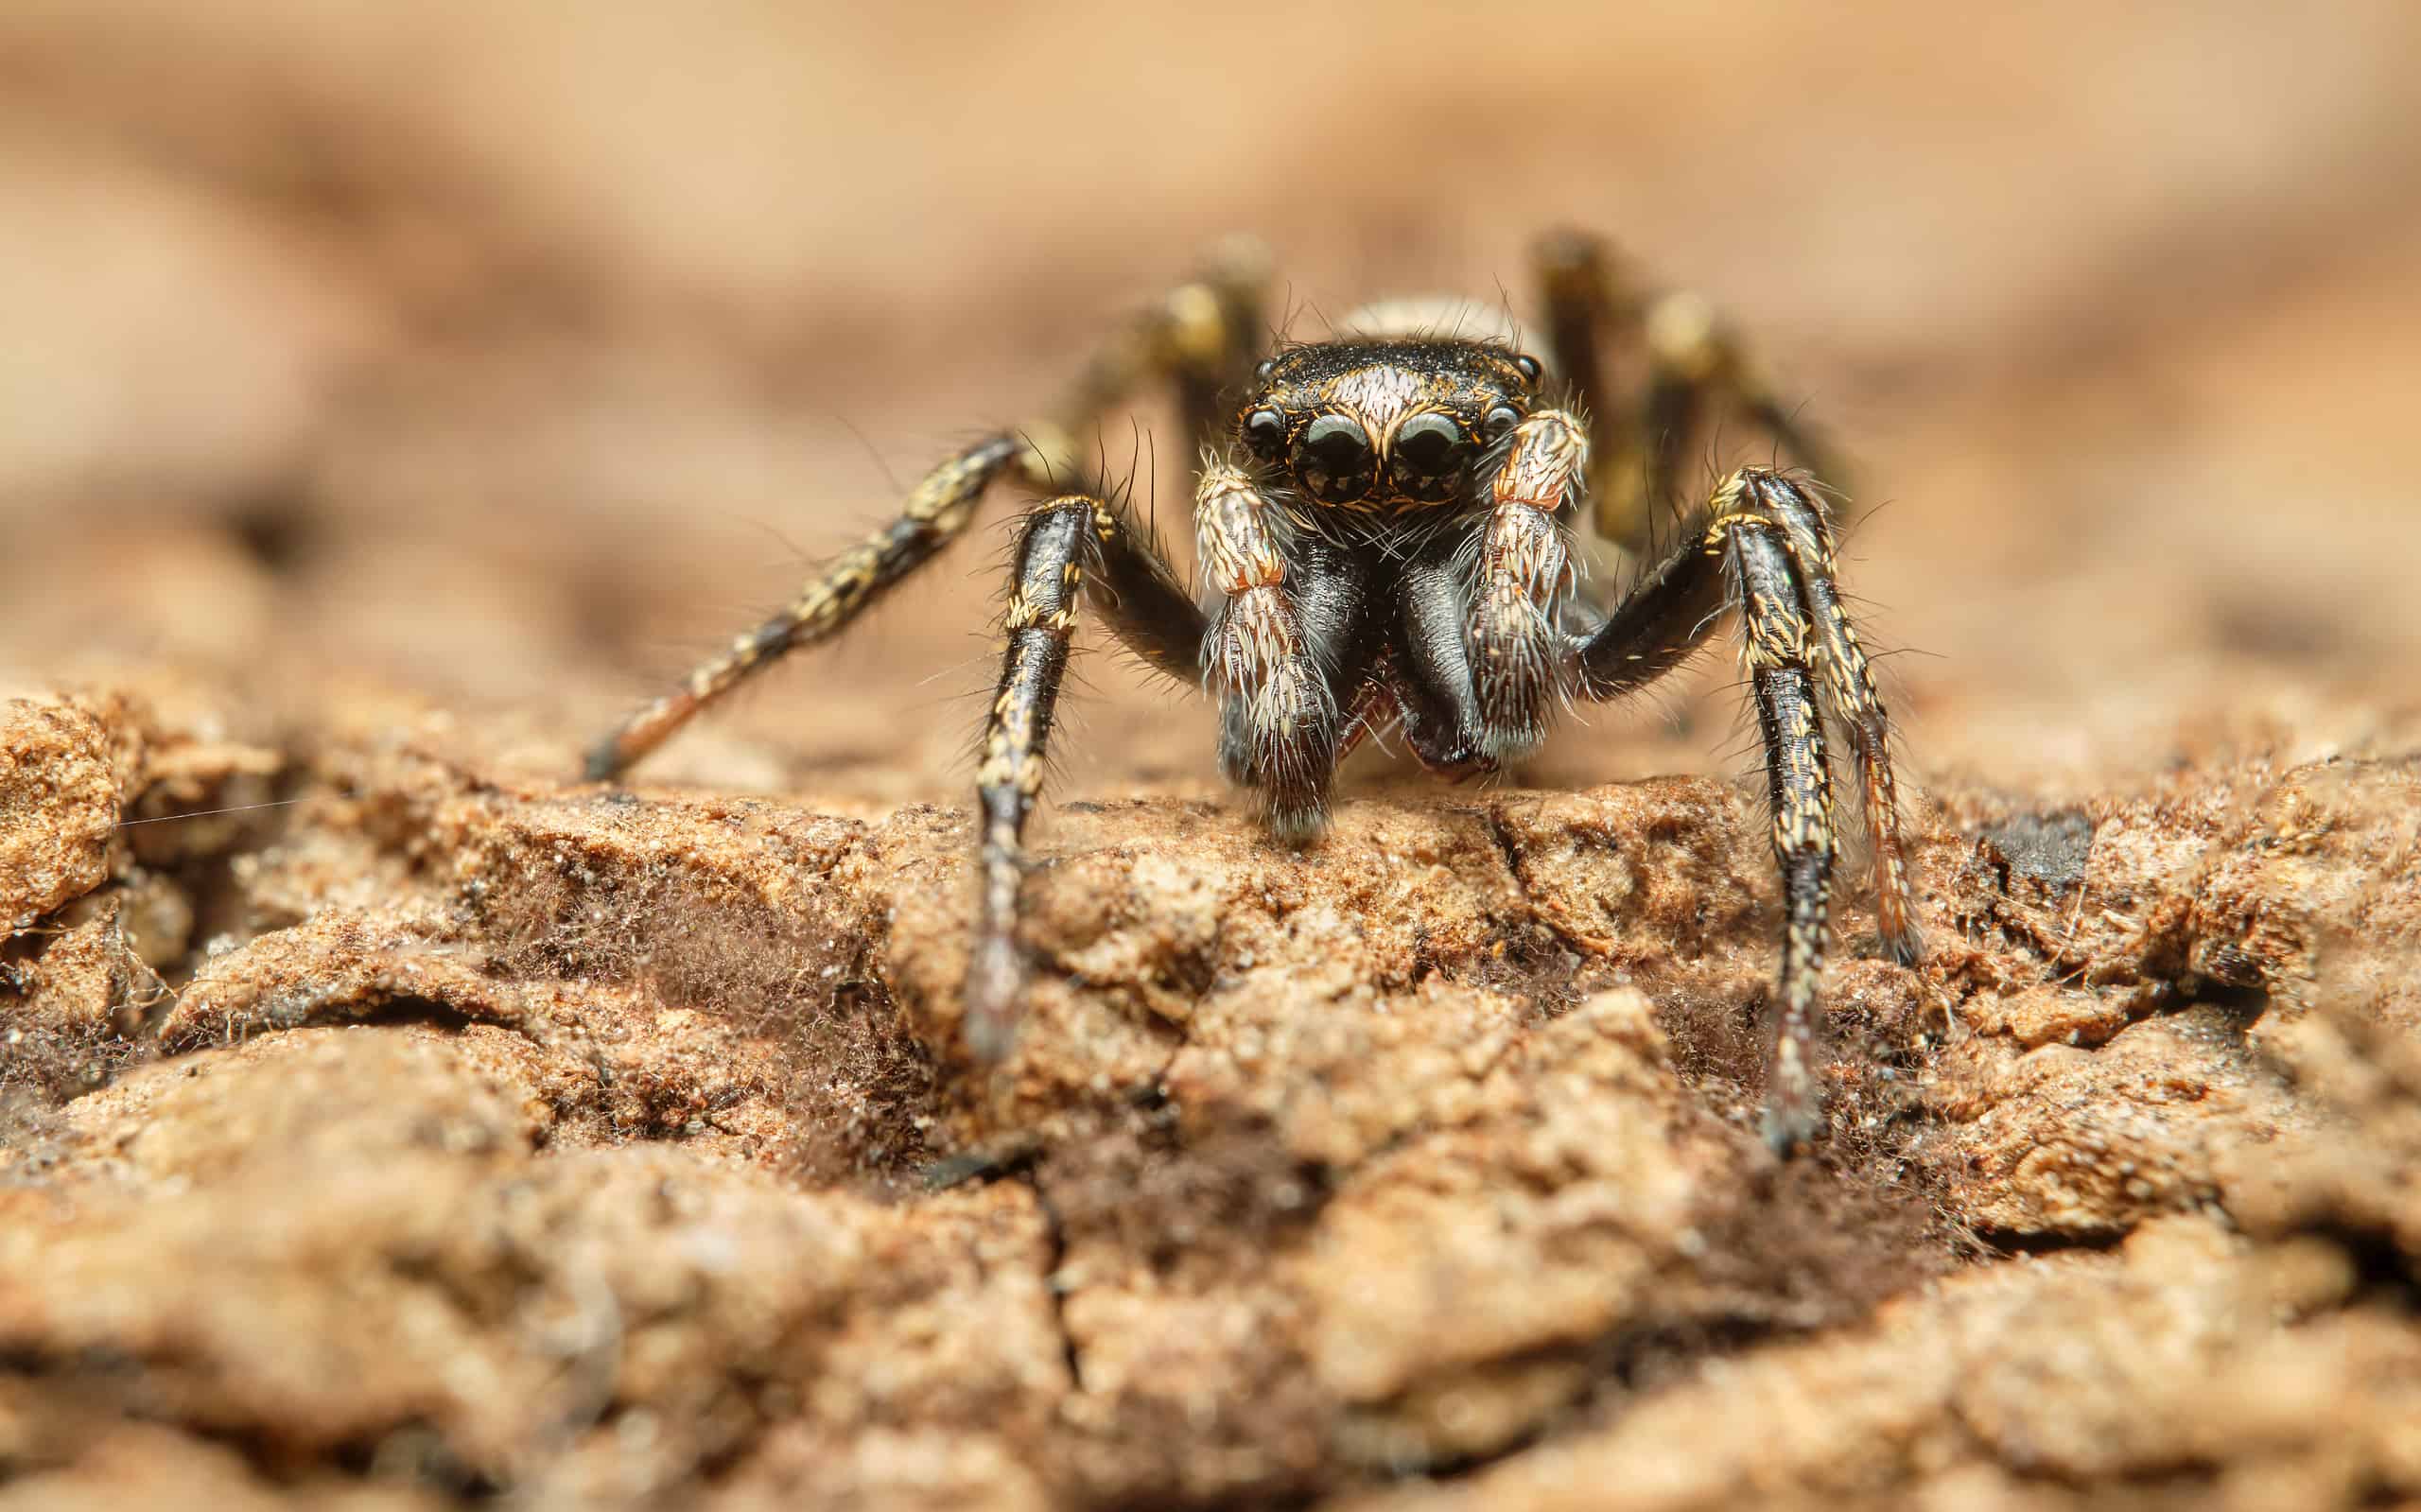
x: 1855, y: 703
x: 1776, y: 645
x: 1762, y: 546
x: 936, y: 512
x: 1056, y: 542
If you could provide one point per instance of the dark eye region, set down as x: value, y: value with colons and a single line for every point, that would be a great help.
x: 1335, y: 461
x: 1428, y: 457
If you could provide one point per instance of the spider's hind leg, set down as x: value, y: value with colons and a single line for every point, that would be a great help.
x: 1696, y: 366
x: 937, y: 511
x: 1199, y: 337
x: 1763, y: 545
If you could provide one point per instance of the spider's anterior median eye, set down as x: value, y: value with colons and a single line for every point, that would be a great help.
x: 1265, y: 433
x: 1334, y: 461
x: 1426, y: 443
x: 1500, y: 420
x: 1429, y: 453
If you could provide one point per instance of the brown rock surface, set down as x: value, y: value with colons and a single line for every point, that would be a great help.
x: 385, y: 1122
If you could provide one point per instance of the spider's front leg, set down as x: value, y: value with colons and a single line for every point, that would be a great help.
x: 1071, y: 546
x: 1763, y: 544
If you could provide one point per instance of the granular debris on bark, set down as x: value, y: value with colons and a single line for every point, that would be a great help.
x: 614, y: 1146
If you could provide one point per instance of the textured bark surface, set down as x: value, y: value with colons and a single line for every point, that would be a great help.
x: 386, y: 1121
x: 609, y: 1145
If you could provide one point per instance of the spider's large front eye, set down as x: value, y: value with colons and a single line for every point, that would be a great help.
x: 1430, y: 451
x: 1335, y: 459
x: 1265, y: 433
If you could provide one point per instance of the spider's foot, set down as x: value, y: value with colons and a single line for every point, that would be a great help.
x: 1906, y: 945
x: 1794, y: 1104
x: 1895, y: 918
x: 1295, y: 826
x: 1790, y: 1126
x: 604, y: 761
x: 646, y: 730
x: 995, y: 998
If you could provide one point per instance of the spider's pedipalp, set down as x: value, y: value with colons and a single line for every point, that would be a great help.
x: 1525, y: 572
x: 1279, y: 720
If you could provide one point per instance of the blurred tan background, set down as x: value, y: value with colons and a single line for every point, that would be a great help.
x: 517, y: 354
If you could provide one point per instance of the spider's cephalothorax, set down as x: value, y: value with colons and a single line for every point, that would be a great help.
x: 1384, y: 526
x: 1374, y: 426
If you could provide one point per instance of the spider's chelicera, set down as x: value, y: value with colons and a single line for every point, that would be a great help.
x: 1385, y: 526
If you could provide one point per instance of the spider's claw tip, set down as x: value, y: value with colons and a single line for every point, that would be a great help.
x: 995, y: 980
x: 1905, y: 947
x: 1789, y: 1130
x: 1297, y: 828
x: 603, y: 762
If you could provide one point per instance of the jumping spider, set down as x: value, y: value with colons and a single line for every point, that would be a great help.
x: 1384, y: 523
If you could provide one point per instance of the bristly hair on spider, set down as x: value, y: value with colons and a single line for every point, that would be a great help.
x: 1388, y: 523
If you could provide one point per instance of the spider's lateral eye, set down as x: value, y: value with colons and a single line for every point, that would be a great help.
x: 1262, y: 369
x: 1501, y: 420
x: 1334, y: 459
x: 1265, y: 433
x: 1425, y: 444
x: 1528, y: 364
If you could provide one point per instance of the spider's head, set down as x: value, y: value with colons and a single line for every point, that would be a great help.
x: 1384, y: 424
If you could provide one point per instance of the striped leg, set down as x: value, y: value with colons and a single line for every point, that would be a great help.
x: 936, y: 514
x: 1764, y: 546
x: 1799, y: 790
x: 1061, y: 542
x: 1198, y: 338
x: 1856, y: 704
